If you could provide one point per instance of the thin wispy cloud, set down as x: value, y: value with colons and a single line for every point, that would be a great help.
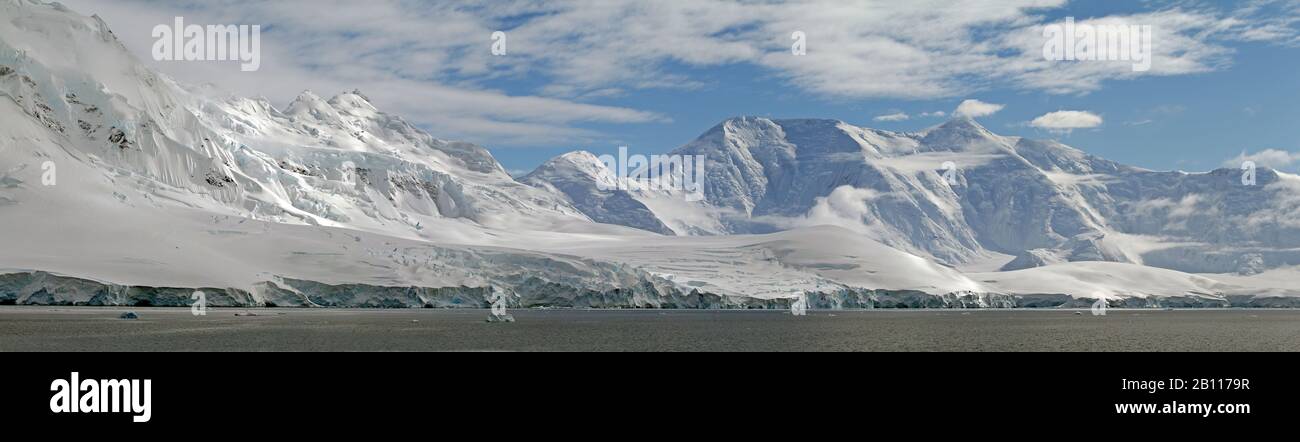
x: 897, y: 116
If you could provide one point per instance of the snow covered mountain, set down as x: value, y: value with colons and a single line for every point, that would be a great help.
x: 961, y: 194
x: 336, y: 162
x: 121, y: 186
x: 592, y: 188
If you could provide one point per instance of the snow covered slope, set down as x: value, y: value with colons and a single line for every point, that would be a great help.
x: 961, y: 194
x: 337, y: 162
x: 120, y: 186
x: 592, y: 188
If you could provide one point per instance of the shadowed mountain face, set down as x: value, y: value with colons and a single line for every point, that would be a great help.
x: 592, y: 188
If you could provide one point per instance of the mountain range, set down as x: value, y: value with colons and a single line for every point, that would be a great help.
x: 122, y: 186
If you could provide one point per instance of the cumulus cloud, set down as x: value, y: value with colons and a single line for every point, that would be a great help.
x: 976, y: 109
x: 897, y: 116
x: 846, y: 206
x: 935, y: 114
x: 1065, y: 121
x: 1270, y: 158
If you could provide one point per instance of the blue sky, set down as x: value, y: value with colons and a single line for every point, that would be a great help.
x: 597, y: 74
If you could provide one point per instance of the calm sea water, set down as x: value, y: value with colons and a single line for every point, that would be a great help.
x: 160, y: 329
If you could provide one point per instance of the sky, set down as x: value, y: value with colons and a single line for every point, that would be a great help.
x: 594, y: 75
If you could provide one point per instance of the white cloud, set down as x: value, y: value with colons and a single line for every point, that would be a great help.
x: 1067, y: 120
x: 976, y: 109
x: 1270, y: 158
x: 1268, y: 20
x: 935, y: 114
x: 897, y: 116
x: 1176, y: 214
x: 846, y: 207
x: 431, y: 61
x: 415, y: 60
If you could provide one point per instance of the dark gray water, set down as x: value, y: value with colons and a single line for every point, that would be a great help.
x: 160, y: 329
